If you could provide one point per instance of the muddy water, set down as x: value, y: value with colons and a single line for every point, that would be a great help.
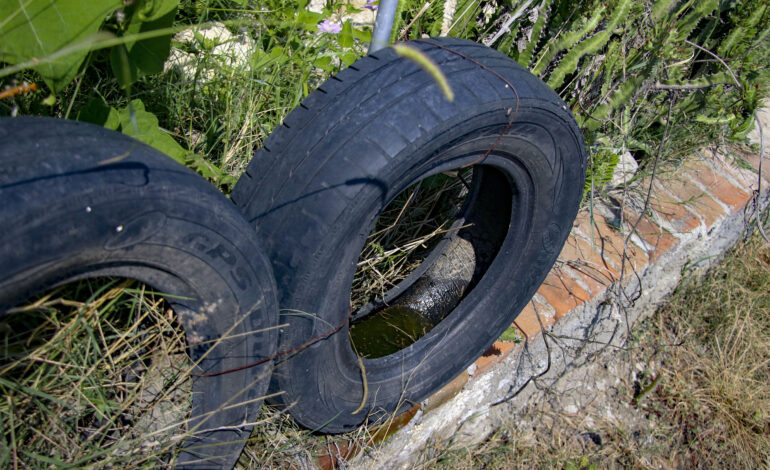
x: 388, y: 331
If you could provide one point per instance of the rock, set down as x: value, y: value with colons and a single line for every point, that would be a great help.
x: 220, y: 46
x: 764, y: 117
x: 624, y: 171
x: 363, y: 17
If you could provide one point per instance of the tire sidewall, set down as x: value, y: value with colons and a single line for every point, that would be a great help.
x: 400, y: 380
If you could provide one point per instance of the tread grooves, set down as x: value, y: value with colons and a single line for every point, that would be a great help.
x: 398, y: 132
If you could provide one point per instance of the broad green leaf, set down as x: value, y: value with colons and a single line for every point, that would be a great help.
x: 260, y: 59
x: 34, y: 29
x: 143, y: 125
x: 348, y: 57
x: 346, y: 35
x: 308, y: 20
x: 361, y: 35
x: 136, y: 59
x: 152, y: 10
x: 97, y: 112
x: 511, y: 334
x: 205, y: 168
x: 324, y: 63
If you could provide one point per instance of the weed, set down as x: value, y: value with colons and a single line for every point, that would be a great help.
x: 91, y: 374
x: 699, y: 401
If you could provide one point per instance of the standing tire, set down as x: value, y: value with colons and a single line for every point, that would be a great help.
x: 78, y: 201
x: 315, y: 190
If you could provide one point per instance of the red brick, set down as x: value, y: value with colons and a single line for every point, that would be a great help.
x: 484, y: 363
x: 752, y: 158
x: 563, y: 293
x: 388, y: 428
x: 595, y: 281
x: 718, y: 186
x: 336, y: 455
x: 727, y: 162
x: 527, y: 322
x: 673, y: 211
x: 696, y: 200
x: 652, y: 234
x: 610, y: 242
x: 578, y: 252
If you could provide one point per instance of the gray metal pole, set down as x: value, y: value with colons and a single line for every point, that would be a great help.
x: 383, y: 25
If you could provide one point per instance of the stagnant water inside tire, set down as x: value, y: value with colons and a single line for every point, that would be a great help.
x: 405, y: 233
x: 473, y: 226
x: 94, y: 373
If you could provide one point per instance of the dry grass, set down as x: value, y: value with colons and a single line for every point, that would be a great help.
x: 406, y: 231
x: 693, y: 389
x: 90, y: 375
x: 716, y: 386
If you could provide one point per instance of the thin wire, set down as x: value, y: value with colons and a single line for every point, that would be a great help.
x: 278, y: 354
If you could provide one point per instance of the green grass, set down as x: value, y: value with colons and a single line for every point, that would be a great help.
x: 94, y: 374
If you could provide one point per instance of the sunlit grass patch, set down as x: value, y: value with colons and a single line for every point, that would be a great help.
x: 92, y: 374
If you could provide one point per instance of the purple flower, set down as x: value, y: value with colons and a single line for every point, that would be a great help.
x: 372, y: 4
x: 328, y: 26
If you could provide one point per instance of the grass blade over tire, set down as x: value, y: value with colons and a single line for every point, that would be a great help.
x: 78, y: 201
x: 319, y: 184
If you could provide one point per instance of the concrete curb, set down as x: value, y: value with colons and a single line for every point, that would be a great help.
x: 594, y: 294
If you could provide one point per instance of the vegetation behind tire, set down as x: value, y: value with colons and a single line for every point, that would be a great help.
x: 618, y: 64
x: 630, y: 67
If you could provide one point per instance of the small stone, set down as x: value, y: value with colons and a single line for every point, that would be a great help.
x: 571, y: 409
x: 228, y: 49
x: 625, y: 170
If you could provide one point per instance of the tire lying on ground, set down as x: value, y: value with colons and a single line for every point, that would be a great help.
x: 316, y: 188
x: 79, y: 201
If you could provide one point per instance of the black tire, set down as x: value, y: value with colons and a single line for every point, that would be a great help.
x: 80, y: 201
x: 315, y: 189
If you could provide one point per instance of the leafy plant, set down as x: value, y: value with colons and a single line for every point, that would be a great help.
x: 620, y: 64
x: 60, y: 34
x: 55, y: 38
